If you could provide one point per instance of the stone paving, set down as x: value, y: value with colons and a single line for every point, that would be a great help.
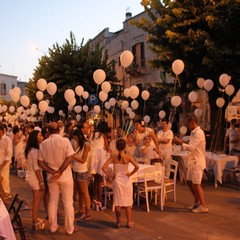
x: 174, y: 222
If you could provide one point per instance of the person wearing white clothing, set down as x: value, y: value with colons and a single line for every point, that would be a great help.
x: 196, y: 164
x: 5, y: 161
x: 55, y: 156
x: 80, y: 173
x: 165, y: 137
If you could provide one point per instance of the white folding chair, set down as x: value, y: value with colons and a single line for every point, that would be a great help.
x: 170, y: 183
x: 107, y: 191
x: 152, y: 182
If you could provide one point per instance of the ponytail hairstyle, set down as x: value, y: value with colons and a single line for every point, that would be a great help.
x: 120, y: 145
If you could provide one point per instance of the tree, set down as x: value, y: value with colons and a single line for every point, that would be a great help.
x: 204, y: 34
x: 71, y: 65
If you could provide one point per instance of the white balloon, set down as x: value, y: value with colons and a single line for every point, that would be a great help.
x: 60, y: 112
x: 193, y: 96
x: 70, y: 107
x: 134, y: 92
x: 99, y: 76
x: 132, y: 115
x: 134, y: 104
x: 162, y: 114
x: 107, y: 105
x: 43, y: 105
x: 17, y: 90
x: 176, y: 101
x: 145, y: 95
x: 146, y: 119
x: 106, y: 87
x: 20, y: 109
x: 11, y: 109
x: 224, y: 79
x: 51, y: 88
x: 42, y: 84
x: 229, y: 89
x: 220, y: 102
x: 78, y: 117
x: 85, y: 108
x: 69, y: 95
x: 97, y: 109
x: 103, y: 96
x: 14, y: 95
x: 34, y: 105
x: 183, y: 130
x: 129, y: 110
x: 33, y: 111
x: 208, y: 84
x: 126, y: 92
x: 72, y: 102
x: 126, y: 58
x: 198, y: 112
x: 77, y: 109
x: 47, y: 100
x: 112, y: 101
x: 79, y: 90
x: 39, y: 95
x: 200, y: 82
x: 28, y: 112
x: 52, y: 110
x: 178, y: 66
x: 125, y: 105
x: 24, y: 100
x: 85, y: 94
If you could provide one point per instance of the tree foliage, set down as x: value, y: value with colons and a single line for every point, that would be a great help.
x: 204, y: 34
x: 71, y: 65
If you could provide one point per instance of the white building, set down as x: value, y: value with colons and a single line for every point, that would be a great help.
x: 7, y: 82
x: 131, y: 38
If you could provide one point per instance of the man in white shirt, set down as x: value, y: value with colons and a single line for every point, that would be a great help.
x: 5, y: 161
x: 196, y: 164
x: 55, y: 156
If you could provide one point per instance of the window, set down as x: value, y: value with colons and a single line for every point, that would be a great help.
x: 3, y: 89
x: 13, y: 86
x: 138, y: 52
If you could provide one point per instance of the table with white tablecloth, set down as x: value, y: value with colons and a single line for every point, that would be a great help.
x: 220, y: 162
x: 6, y: 229
x: 216, y: 162
x: 143, y: 168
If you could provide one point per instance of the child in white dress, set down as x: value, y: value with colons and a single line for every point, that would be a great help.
x: 122, y: 184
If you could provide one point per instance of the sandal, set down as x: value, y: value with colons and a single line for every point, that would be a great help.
x: 130, y: 225
x: 39, y: 224
x: 118, y: 225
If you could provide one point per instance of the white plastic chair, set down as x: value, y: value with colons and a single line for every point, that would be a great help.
x: 107, y: 191
x: 152, y: 182
x: 170, y: 183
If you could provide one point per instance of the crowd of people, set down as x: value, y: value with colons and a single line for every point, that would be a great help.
x: 73, y: 158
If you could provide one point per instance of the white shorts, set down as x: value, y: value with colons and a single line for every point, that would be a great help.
x: 195, y: 173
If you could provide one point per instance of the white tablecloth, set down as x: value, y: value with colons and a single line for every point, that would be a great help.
x: 140, y: 173
x: 220, y: 162
x: 6, y: 229
x: 216, y: 162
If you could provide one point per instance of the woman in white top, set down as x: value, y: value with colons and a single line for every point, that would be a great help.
x: 99, y: 155
x: 34, y: 176
x: 80, y: 173
x: 140, y: 132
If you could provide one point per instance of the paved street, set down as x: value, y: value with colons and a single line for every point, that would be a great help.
x: 175, y: 222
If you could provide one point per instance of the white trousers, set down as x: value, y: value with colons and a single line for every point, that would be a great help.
x: 66, y: 188
x: 4, y: 172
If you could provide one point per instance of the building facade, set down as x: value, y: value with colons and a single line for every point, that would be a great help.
x: 7, y: 82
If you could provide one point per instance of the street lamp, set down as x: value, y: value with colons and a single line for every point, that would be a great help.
x: 38, y: 49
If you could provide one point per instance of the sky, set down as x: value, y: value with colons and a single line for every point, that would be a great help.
x: 29, y: 24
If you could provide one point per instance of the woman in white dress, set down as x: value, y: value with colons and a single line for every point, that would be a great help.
x: 122, y: 184
x: 34, y: 177
x: 99, y: 155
